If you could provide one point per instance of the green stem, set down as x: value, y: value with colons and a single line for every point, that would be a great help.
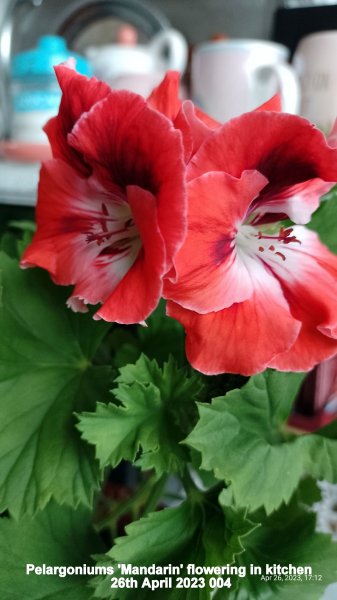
x: 127, y: 506
x: 214, y: 491
x: 155, y: 495
x: 192, y: 491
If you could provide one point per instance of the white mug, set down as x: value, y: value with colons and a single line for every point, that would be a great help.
x: 315, y: 63
x: 230, y: 77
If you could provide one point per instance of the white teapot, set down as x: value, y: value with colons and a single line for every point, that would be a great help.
x: 139, y: 67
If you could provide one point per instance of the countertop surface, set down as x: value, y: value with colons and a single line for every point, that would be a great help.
x: 18, y: 182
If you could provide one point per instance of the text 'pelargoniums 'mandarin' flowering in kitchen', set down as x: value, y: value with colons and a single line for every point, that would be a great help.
x: 252, y: 292
x: 111, y: 203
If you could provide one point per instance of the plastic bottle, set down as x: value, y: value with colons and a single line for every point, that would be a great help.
x: 35, y: 91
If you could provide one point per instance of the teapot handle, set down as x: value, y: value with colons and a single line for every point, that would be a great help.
x: 170, y: 48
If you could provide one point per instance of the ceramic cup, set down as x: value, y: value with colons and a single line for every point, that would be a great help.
x: 230, y: 77
x: 315, y: 63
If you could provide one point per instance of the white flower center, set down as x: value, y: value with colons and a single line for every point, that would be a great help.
x: 252, y: 241
x: 115, y: 232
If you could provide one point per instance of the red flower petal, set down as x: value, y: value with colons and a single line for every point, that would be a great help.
x: 130, y: 144
x: 273, y: 104
x: 205, y: 118
x: 332, y: 137
x: 287, y: 149
x: 194, y: 129
x: 67, y: 208
x: 212, y: 274
x: 194, y: 124
x: 165, y: 97
x: 243, y: 338
x: 297, y: 201
x: 79, y: 94
x: 310, y: 288
x: 310, y: 348
x: 139, y: 292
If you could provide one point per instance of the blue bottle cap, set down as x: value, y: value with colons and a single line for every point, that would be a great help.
x: 51, y: 50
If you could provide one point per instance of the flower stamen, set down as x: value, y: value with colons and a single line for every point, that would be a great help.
x: 284, y: 237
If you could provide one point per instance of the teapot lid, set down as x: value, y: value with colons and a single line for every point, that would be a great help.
x: 51, y: 50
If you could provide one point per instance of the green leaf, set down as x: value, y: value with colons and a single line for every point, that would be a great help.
x: 9, y: 244
x: 14, y: 243
x: 324, y: 220
x: 162, y: 337
x: 242, y: 437
x: 124, y: 346
x: 286, y: 537
x: 238, y: 526
x: 45, y: 375
x: 160, y: 538
x: 23, y: 225
x: 157, y: 409
x: 57, y: 536
x: 192, y: 533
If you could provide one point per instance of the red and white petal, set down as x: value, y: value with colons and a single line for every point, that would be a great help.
x: 79, y: 94
x: 165, y: 97
x: 212, y: 272
x: 287, y: 149
x: 131, y: 144
x: 308, y: 276
x: 243, y: 338
x: 69, y: 207
x: 140, y: 290
x: 297, y: 201
x: 104, y: 273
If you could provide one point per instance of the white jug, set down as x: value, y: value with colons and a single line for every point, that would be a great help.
x: 315, y: 63
x: 139, y: 65
x: 230, y: 77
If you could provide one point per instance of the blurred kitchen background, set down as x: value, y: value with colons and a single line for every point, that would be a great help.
x: 196, y: 19
x: 97, y: 31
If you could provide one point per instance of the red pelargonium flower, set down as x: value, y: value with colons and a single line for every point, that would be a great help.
x: 253, y: 293
x: 195, y: 125
x: 111, y: 204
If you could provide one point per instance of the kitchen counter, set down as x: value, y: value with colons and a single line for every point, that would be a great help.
x: 18, y: 183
